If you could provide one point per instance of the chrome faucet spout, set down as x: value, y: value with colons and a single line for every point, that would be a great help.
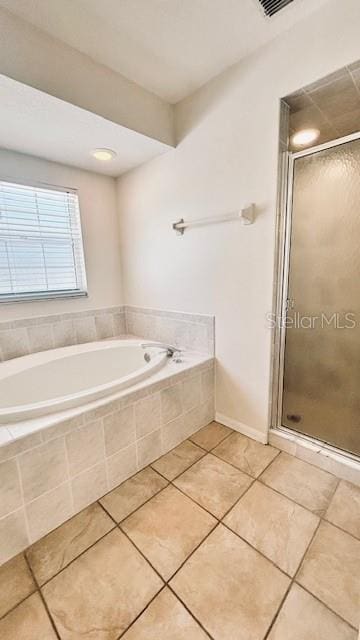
x: 168, y: 348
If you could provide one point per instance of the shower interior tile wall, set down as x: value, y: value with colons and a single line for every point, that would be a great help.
x: 188, y: 331
x: 52, y: 474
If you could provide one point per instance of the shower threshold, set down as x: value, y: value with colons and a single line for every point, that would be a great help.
x: 320, y: 454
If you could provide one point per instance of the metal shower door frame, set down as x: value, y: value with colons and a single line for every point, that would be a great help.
x: 283, y: 253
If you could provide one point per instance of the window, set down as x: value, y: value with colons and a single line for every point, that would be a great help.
x: 41, y: 251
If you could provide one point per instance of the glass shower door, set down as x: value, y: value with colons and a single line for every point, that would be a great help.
x: 321, y: 382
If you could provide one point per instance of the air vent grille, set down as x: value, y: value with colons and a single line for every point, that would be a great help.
x: 271, y: 7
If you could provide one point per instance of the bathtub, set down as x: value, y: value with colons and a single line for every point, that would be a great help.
x: 51, y: 381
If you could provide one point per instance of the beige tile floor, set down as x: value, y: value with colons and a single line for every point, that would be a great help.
x: 222, y: 538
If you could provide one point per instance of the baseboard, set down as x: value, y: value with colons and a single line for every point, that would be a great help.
x: 241, y: 428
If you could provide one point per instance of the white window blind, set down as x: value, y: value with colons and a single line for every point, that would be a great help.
x: 41, y: 250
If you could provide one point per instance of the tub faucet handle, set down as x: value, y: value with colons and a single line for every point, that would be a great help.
x: 168, y: 348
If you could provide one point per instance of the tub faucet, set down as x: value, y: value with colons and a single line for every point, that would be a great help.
x: 168, y: 348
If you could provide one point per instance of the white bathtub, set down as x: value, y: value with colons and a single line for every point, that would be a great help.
x: 52, y: 381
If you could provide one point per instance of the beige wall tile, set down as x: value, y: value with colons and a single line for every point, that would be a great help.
x: 171, y: 403
x: 104, y: 326
x: 19, y: 446
x: 62, y: 429
x: 199, y: 417
x: 121, y: 466
x: 193, y: 420
x: 119, y: 323
x: 14, y: 343
x: 54, y: 552
x: 29, y: 621
x: 85, y: 447
x: 43, y: 468
x: 16, y: 583
x: 85, y: 329
x: 207, y: 384
x: 147, y: 415
x: 119, y: 430
x: 40, y: 338
x: 64, y: 333
x: 89, y: 486
x: 197, y: 337
x: 5, y: 436
x: 10, y: 492
x: 191, y: 392
x: 149, y: 448
x: 49, y: 511
x: 13, y: 535
x: 173, y: 433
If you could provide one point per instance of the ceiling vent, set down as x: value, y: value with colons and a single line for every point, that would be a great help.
x: 271, y: 7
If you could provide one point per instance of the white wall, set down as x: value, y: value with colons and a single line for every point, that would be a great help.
x: 97, y: 197
x: 227, y: 156
x: 31, y: 56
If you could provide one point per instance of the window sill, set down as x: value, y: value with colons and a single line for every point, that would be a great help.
x: 46, y: 295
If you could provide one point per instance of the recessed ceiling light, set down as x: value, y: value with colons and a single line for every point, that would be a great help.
x: 103, y: 154
x: 304, y: 137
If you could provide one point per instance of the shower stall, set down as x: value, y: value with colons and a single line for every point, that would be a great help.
x: 317, y: 385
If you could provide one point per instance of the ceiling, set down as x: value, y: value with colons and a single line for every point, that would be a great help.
x: 35, y: 123
x: 170, y: 47
x: 331, y: 105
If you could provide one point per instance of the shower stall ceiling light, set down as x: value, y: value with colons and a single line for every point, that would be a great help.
x: 305, y: 137
x: 105, y: 155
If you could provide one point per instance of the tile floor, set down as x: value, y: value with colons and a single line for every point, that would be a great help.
x: 221, y: 538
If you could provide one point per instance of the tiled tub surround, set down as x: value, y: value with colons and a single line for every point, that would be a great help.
x: 194, y: 332
x: 48, y: 473
x: 29, y: 335
x: 218, y: 539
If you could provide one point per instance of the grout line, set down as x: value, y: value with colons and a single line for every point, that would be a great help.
x: 181, y: 472
x: 336, y: 526
x: 52, y: 622
x: 215, y: 445
x: 137, y: 508
x: 238, y: 535
x: 338, y: 615
x: 217, y: 523
x: 141, y: 612
x: 35, y: 590
x: 142, y: 554
x: 242, y: 471
x: 78, y: 556
x: 189, y: 611
x: 268, y: 486
x: 277, y: 612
